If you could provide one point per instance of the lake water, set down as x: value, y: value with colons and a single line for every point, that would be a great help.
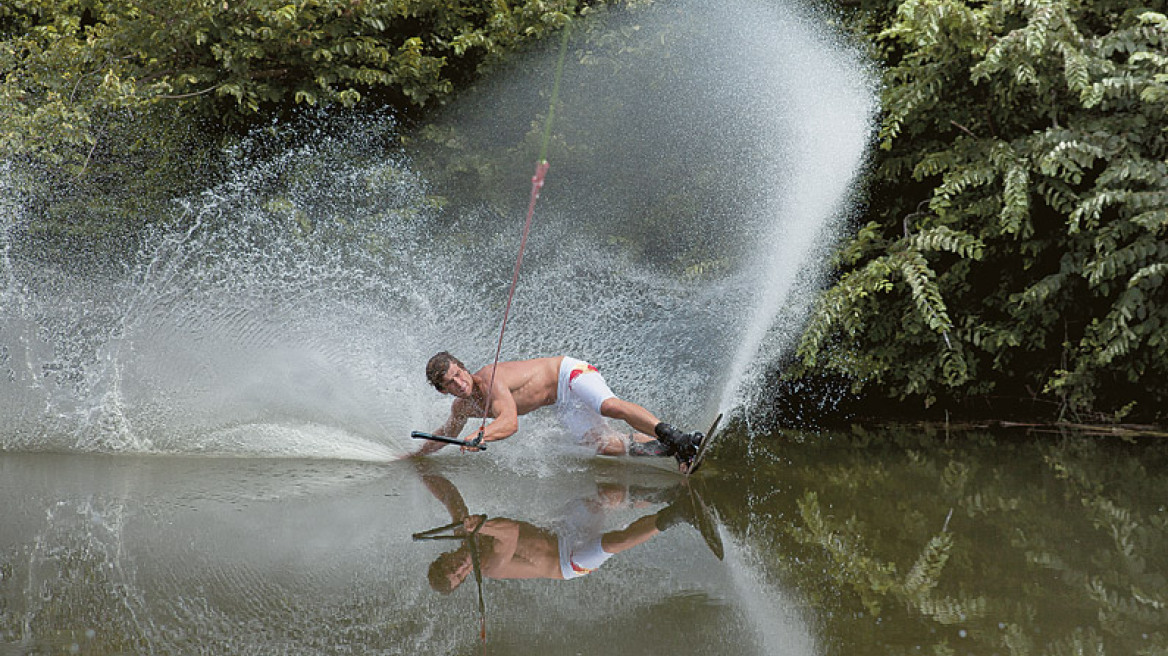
x: 886, y: 541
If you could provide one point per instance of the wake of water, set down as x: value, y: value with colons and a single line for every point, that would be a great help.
x: 289, y: 311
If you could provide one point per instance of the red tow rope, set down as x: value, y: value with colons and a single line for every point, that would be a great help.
x: 541, y: 169
x: 536, y: 185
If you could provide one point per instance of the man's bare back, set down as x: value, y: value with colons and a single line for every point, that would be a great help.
x: 520, y: 550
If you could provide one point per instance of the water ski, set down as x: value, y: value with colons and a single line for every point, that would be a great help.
x: 707, y: 439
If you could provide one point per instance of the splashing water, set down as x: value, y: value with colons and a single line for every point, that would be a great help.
x: 693, y: 193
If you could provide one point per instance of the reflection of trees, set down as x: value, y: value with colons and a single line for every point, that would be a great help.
x: 903, y: 540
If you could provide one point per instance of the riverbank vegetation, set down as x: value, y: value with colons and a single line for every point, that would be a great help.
x: 1013, y: 244
x: 122, y: 105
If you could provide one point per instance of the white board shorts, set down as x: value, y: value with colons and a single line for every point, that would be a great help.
x: 580, y: 533
x: 578, y: 558
x: 580, y: 392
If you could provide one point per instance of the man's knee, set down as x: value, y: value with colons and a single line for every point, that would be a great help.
x: 606, y: 442
x: 614, y: 408
x: 612, y: 448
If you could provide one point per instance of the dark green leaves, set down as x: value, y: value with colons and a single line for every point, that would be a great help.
x: 62, y: 61
x: 1035, y: 132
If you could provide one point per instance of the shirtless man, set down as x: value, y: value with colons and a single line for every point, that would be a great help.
x: 578, y: 392
x: 513, y: 549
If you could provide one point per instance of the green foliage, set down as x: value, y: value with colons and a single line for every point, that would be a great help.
x: 66, y: 62
x: 867, y: 574
x: 1017, y: 236
x: 113, y: 107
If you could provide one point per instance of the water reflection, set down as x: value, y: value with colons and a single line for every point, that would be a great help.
x: 860, y: 542
x: 577, y: 545
x: 912, y: 541
x: 105, y: 555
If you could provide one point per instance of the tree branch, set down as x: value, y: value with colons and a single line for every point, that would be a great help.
x: 191, y: 94
x: 963, y: 128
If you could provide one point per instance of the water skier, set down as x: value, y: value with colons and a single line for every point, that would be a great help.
x: 574, y: 547
x: 577, y: 390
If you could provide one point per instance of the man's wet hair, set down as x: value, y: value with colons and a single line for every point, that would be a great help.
x: 441, y: 569
x: 438, y: 365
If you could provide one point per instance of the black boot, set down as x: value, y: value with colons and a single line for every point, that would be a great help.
x: 681, y: 510
x: 683, y: 446
x: 690, y: 509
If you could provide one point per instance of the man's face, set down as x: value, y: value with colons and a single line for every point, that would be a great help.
x: 457, y: 382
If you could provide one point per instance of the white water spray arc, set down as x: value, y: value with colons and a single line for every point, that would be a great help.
x: 289, y: 310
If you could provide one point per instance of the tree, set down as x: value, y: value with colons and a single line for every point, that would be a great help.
x: 1016, y: 242
x: 94, y: 91
x: 64, y: 58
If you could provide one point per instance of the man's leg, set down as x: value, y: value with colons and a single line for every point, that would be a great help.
x: 641, y: 442
x: 683, y: 445
x: 632, y: 414
x: 639, y: 532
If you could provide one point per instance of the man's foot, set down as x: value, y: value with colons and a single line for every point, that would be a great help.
x: 683, y: 446
x: 681, y: 510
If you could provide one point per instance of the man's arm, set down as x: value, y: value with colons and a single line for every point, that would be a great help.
x: 445, y: 492
x: 505, y: 412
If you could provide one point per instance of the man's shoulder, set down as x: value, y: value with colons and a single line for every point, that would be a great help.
x: 550, y: 362
x: 516, y: 366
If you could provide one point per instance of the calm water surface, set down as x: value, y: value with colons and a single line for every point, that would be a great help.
x: 881, y: 542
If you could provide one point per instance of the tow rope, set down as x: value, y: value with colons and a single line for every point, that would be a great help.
x: 471, y: 540
x: 541, y: 169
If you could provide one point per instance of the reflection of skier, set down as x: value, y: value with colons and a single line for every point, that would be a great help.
x: 512, y: 549
x: 576, y: 389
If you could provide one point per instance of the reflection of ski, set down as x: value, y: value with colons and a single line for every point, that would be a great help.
x: 706, y: 522
x: 707, y: 439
